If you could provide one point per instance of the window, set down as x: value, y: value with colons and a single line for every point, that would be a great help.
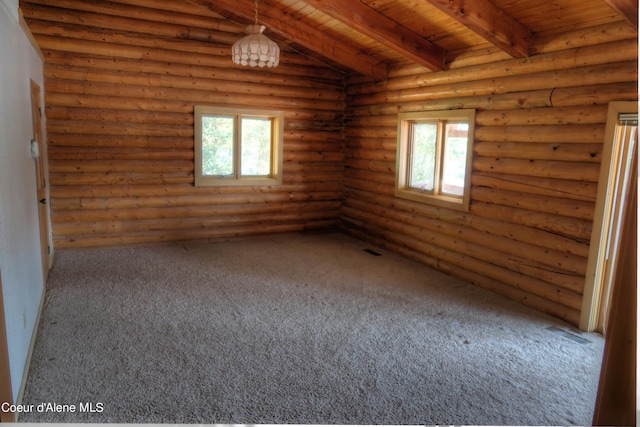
x: 238, y: 147
x: 434, y: 157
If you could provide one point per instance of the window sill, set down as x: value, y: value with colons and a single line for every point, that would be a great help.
x: 214, y: 181
x: 459, y: 204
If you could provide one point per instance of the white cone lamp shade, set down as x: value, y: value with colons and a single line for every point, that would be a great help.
x: 256, y: 49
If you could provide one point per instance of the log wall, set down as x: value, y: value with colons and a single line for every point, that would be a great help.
x: 121, y: 82
x: 538, y: 143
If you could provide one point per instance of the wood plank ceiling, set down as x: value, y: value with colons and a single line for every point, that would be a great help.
x: 368, y: 36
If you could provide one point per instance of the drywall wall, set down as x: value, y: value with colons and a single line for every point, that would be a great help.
x: 22, y: 284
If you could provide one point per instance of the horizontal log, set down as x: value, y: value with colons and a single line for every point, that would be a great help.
x: 131, y: 116
x: 538, y: 237
x: 488, y: 225
x: 314, y: 124
x: 544, y: 305
x: 524, y: 99
x: 436, y: 247
x: 56, y: 153
x: 374, y: 132
x: 363, y: 185
x: 316, y: 77
x: 454, y: 59
x: 129, y: 46
x: 300, y: 167
x: 257, y: 88
x: 312, y: 156
x: 213, y: 57
x: 127, y: 178
x: 184, y: 17
x: 572, y: 152
x: 560, y: 264
x: 303, y: 177
x: 209, y: 28
x: 112, y: 128
x: 384, y: 155
x: 177, y: 190
x: 384, y: 182
x: 564, y: 226
x: 90, y: 28
x: 579, y: 171
x: 577, y: 209
x: 59, y: 140
x: 610, y: 32
x: 590, y: 36
x: 161, y: 212
x: 291, y: 174
x: 595, y: 94
x: 204, y: 210
x: 354, y: 124
x: 206, y: 235
x: 591, y: 133
x: 595, y: 74
x: 58, y: 99
x: 577, y: 190
x: 53, y: 36
x: 62, y: 99
x: 293, y: 139
x: 123, y: 228
x: 300, y: 135
x: 172, y: 6
x: 139, y: 160
x: 572, y: 115
x: 311, y: 145
x: 372, y: 165
x: 598, y: 54
x: 109, y: 166
x: 192, y: 96
x: 558, y: 97
x: 388, y: 144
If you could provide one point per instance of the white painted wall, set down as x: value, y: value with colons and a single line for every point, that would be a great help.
x: 20, y: 263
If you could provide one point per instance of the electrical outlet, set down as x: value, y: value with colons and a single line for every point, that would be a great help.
x: 24, y: 318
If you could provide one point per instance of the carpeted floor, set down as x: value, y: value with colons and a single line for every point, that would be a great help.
x: 305, y: 329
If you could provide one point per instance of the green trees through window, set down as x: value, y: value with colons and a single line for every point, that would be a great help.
x: 434, y: 157
x: 217, y: 145
x: 237, y: 147
x: 433, y: 149
x: 218, y: 157
x: 256, y: 147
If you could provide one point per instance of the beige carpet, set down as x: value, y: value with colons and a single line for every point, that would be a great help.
x: 296, y: 328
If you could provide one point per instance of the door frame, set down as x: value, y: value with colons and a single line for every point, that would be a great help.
x: 596, y: 290
x: 39, y: 153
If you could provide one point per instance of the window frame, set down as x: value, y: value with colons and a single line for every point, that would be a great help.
x: 403, y: 160
x: 277, y: 137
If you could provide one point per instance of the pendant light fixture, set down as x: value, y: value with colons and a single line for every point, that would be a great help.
x: 256, y: 49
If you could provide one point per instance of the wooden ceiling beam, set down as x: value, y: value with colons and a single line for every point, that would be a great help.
x: 627, y: 8
x: 384, y: 30
x: 487, y: 20
x: 319, y: 42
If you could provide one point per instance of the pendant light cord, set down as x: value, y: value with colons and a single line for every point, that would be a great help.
x: 256, y: 12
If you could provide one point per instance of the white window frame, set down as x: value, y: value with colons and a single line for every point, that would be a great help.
x: 403, y: 160
x: 277, y: 136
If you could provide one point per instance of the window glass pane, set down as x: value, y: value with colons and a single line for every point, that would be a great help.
x: 217, y: 145
x: 256, y: 147
x: 423, y: 155
x: 454, y: 158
